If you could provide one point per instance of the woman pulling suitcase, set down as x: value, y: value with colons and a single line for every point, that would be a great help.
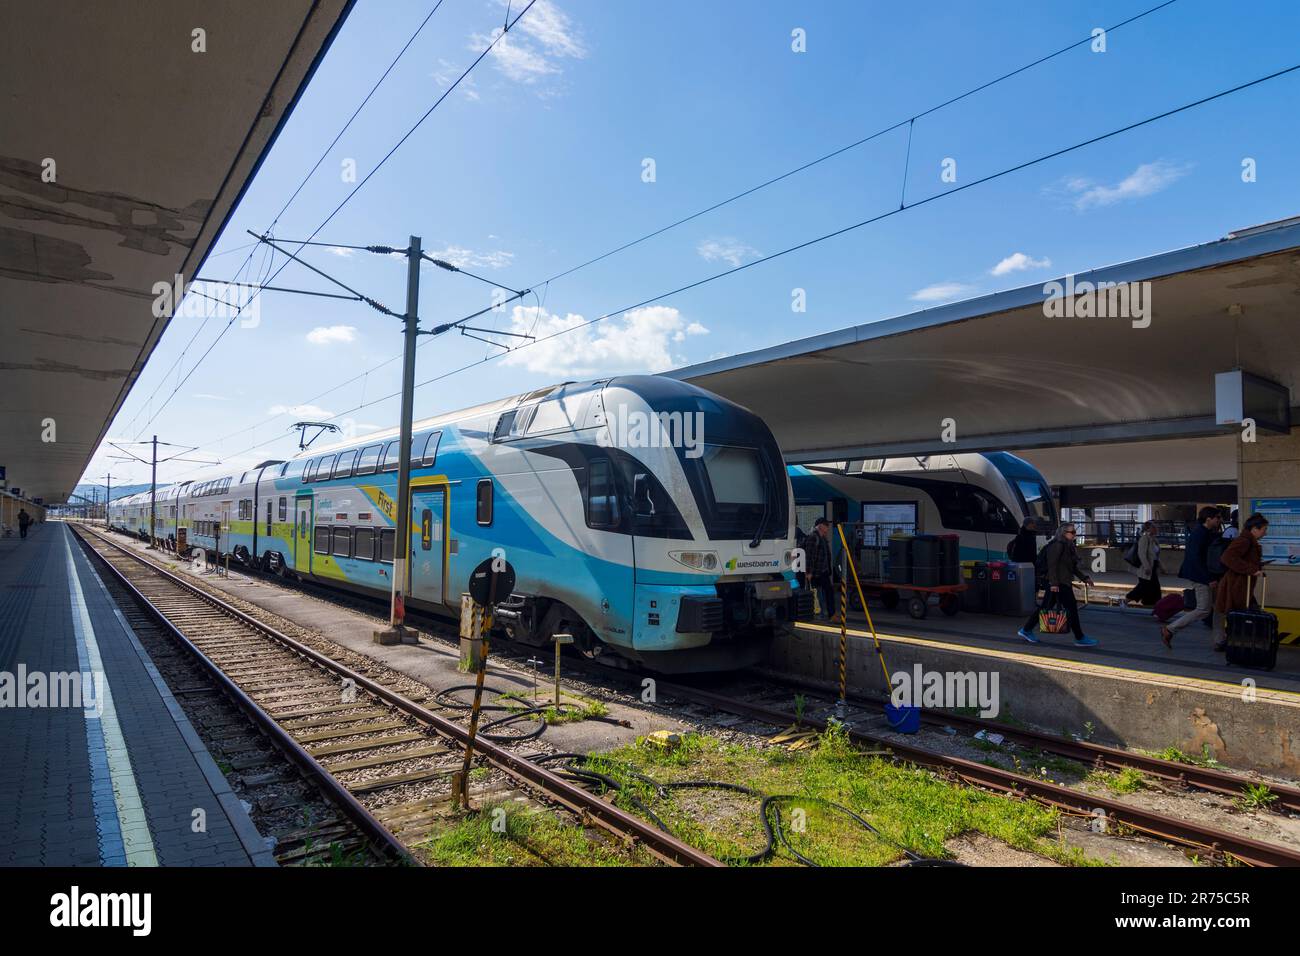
x: 1242, y: 560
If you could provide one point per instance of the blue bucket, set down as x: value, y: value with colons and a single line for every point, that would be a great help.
x: 904, y: 720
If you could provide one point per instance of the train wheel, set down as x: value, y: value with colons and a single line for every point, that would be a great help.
x: 949, y: 604
x: 889, y: 598
x: 916, y: 606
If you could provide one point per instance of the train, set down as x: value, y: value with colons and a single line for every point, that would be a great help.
x: 648, y: 518
x: 983, y: 498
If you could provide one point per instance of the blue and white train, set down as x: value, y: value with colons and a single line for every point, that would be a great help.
x: 645, y: 516
x: 982, y: 498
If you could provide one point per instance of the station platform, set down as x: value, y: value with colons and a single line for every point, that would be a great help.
x: 99, y: 765
x: 1129, y: 690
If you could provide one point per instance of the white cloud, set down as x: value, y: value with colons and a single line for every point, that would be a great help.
x: 1147, y: 179
x: 942, y: 292
x: 1019, y: 262
x: 469, y: 259
x: 330, y: 334
x: 531, y: 50
x: 726, y: 249
x: 342, y: 251
x: 640, y: 340
x: 308, y: 412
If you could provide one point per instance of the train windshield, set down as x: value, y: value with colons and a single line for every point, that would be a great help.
x: 737, y: 495
x: 1037, y: 502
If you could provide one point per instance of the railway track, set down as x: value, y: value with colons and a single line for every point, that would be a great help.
x: 1184, y: 833
x: 383, y: 759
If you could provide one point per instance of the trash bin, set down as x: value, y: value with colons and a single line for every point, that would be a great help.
x: 949, y: 559
x: 975, y: 575
x: 925, y: 560
x: 900, y: 559
x: 1011, y: 588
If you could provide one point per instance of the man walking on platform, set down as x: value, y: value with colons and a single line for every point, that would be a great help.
x: 1196, y: 569
x: 24, y: 519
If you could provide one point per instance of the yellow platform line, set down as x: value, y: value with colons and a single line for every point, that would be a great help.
x: 1060, y: 663
x: 136, y: 838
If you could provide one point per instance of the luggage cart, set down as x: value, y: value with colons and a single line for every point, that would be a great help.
x: 870, y: 541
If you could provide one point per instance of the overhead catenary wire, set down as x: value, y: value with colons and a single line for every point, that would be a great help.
x: 854, y: 145
x: 288, y: 202
x: 910, y: 121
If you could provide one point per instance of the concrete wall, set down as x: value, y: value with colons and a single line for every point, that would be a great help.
x: 1269, y: 467
x: 1125, y: 708
x: 9, y: 508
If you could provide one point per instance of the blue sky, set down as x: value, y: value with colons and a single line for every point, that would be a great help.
x: 535, y: 164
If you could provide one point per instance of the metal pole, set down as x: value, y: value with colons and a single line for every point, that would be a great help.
x: 153, y: 492
x: 841, y: 705
x: 108, y: 502
x: 402, y: 546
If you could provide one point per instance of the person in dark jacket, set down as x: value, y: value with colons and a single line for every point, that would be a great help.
x: 24, y: 519
x: 817, y: 554
x: 1024, y: 546
x: 1147, y: 590
x: 1062, y: 569
x: 1196, y: 570
x: 1242, y: 560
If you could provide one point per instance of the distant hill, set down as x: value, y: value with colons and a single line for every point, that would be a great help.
x: 119, y: 491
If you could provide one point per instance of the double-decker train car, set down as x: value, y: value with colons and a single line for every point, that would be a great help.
x: 644, y: 516
x: 982, y: 498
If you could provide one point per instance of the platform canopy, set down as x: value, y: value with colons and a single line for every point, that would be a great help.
x: 1011, y: 375
x: 152, y: 144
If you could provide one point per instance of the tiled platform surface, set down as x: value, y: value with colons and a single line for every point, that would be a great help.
x: 116, y: 788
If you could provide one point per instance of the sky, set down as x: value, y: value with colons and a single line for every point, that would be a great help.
x: 595, y: 122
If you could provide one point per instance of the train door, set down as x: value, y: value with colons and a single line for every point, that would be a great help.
x: 223, y: 526
x: 302, y: 534
x: 429, y: 543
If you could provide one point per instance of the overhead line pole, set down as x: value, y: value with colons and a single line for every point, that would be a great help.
x: 402, y: 546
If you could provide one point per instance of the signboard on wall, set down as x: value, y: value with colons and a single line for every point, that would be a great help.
x: 1282, y: 542
x: 880, y: 519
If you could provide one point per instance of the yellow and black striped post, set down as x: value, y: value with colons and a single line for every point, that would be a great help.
x: 841, y: 706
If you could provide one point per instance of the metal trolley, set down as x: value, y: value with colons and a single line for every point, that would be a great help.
x: 869, y: 552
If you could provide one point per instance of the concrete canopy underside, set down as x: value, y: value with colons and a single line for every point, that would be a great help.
x: 1012, y: 378
x: 153, y: 145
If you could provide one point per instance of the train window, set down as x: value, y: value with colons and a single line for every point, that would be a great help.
x: 484, y: 501
x: 365, y: 544
x: 343, y: 468
x: 293, y: 468
x: 555, y: 414
x: 369, y: 460
x: 343, y: 542
x: 602, y: 495
x: 326, y: 465
x: 309, y: 473
x: 387, y: 538
x: 504, y: 424
x: 322, y: 543
x: 284, y: 509
x: 966, y: 508
x: 269, y: 506
x: 391, y: 455
x: 431, y: 449
x: 225, y: 485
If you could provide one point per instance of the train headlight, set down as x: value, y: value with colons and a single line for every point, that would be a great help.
x: 696, y: 560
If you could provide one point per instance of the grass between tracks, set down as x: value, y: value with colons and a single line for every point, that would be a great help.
x: 514, y: 833
x: 910, y: 807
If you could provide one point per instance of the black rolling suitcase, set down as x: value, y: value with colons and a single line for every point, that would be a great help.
x: 1252, y: 635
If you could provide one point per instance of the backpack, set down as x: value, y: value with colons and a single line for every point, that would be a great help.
x: 1131, y: 555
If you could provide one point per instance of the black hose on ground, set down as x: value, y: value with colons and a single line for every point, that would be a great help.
x: 769, y: 808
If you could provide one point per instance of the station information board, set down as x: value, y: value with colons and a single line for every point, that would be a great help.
x: 1282, y: 543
